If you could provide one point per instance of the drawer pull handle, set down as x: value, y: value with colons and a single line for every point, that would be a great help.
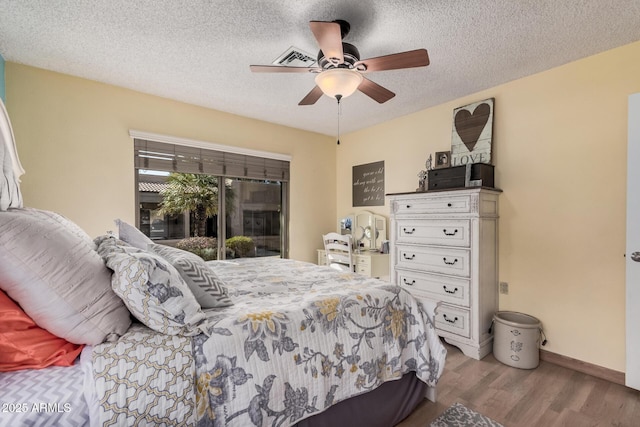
x: 407, y: 231
x: 406, y: 282
x: 408, y: 257
x: 449, y: 262
x: 408, y: 206
x: 454, y: 320
x: 449, y: 205
x: 448, y: 291
x: 448, y: 233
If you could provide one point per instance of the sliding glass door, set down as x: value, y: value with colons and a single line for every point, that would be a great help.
x: 176, y: 208
x: 217, y: 201
x: 253, y: 218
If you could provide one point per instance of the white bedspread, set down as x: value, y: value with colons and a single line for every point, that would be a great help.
x: 298, y: 339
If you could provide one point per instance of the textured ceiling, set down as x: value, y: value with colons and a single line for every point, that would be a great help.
x: 199, y: 51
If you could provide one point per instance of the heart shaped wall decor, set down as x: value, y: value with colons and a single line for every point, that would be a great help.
x: 469, y: 126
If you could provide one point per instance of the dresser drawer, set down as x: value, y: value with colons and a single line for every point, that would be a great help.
x: 363, y: 264
x: 433, y: 232
x: 435, y: 287
x: 433, y: 259
x: 454, y: 320
x: 322, y: 257
x: 362, y: 260
x: 435, y: 204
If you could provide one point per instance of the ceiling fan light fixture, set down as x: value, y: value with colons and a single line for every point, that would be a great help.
x: 339, y: 81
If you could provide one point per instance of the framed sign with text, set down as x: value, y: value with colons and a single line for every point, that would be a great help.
x: 368, y: 184
x: 472, y: 133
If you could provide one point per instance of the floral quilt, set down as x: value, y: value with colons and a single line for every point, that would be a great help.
x: 300, y: 338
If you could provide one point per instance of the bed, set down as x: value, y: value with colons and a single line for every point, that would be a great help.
x: 282, y: 352
x: 167, y: 339
x: 298, y: 339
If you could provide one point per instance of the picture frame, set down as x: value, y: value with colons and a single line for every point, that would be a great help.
x: 443, y: 159
x: 472, y: 133
x: 368, y: 184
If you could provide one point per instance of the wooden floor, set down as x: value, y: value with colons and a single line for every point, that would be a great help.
x: 547, y: 396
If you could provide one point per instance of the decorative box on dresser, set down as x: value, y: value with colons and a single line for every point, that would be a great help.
x: 444, y: 248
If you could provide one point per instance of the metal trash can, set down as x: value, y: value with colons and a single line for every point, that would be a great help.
x: 516, y: 339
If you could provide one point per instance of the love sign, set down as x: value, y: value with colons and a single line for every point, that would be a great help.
x: 472, y: 133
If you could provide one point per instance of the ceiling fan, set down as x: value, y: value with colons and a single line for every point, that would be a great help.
x: 340, y: 69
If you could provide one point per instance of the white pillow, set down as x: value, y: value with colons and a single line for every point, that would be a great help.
x: 49, y: 267
x: 131, y: 235
x: 151, y: 288
x: 205, y: 285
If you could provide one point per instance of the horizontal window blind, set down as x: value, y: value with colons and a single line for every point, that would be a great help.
x: 166, y: 157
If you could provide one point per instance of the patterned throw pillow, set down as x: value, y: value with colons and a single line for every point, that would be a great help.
x: 206, y: 286
x: 151, y: 288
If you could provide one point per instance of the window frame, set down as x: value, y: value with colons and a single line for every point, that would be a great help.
x: 235, y: 153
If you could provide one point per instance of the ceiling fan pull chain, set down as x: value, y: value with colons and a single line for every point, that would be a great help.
x: 339, y: 97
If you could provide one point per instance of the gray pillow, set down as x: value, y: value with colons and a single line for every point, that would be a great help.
x: 48, y: 266
x: 151, y: 288
x: 131, y: 235
x: 206, y: 286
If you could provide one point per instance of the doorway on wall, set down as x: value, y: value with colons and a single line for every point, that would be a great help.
x: 632, y: 373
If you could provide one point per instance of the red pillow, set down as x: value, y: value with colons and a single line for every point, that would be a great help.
x: 25, y: 345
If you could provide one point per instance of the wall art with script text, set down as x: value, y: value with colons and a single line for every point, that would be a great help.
x: 368, y: 184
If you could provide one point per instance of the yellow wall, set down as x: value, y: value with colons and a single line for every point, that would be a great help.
x: 73, y: 139
x: 560, y: 140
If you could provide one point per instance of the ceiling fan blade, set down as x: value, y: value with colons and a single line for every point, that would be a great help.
x: 329, y: 39
x: 395, y: 61
x: 283, y: 69
x: 312, y: 96
x: 375, y: 91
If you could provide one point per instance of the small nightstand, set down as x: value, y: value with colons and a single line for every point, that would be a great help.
x: 369, y: 263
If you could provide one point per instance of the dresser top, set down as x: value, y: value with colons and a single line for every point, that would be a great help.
x: 497, y: 190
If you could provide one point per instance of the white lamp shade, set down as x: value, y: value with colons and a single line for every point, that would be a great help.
x: 338, y: 81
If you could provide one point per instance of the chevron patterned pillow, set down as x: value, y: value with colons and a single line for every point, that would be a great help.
x: 205, y: 285
x: 151, y: 288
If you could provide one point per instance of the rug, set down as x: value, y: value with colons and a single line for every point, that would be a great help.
x: 458, y: 415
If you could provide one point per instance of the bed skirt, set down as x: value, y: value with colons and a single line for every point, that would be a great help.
x: 385, y: 406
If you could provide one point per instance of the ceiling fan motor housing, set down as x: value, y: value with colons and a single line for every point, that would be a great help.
x: 351, y: 56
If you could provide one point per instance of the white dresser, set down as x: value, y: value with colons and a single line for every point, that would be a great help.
x: 444, y: 248
x: 369, y: 263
